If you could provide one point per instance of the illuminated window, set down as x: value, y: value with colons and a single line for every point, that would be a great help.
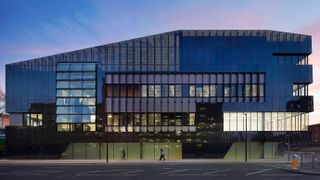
x: 178, y: 91
x: 248, y: 90
x: 65, y: 127
x: 144, y: 90
x: 227, y: 91
x: 206, y: 91
x: 171, y: 91
x: 137, y: 121
x: 192, y: 91
x: 151, y: 90
x: 109, y: 120
x: 192, y: 119
x: 213, y: 90
x: 150, y: 119
x: 254, y: 90
x: 89, y: 127
x: 199, y: 90
x: 157, y: 92
x: 144, y: 119
x: 157, y: 119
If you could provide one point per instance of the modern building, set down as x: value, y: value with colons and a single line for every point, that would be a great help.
x: 193, y: 93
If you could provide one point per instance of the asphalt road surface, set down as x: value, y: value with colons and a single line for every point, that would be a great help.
x: 152, y: 171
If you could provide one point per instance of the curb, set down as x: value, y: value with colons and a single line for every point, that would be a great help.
x: 301, y: 171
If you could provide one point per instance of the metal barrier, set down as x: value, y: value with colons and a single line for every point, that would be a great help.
x: 306, y: 159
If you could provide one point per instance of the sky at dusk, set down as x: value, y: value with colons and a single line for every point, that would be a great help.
x: 36, y: 28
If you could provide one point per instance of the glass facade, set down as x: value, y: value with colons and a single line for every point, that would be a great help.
x: 76, y: 97
x: 189, y: 87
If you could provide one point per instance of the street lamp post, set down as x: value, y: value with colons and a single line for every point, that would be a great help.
x: 246, y: 143
x: 107, y: 141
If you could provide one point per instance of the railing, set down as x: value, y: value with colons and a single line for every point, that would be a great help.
x: 307, y: 160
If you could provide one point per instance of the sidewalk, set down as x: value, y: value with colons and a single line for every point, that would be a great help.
x: 287, y: 167
x: 73, y: 162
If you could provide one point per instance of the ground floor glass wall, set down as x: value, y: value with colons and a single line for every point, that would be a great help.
x: 122, y: 151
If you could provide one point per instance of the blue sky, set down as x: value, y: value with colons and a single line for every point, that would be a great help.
x: 35, y: 28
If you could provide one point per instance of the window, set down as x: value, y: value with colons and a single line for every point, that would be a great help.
x: 89, y: 84
x: 137, y: 121
x: 115, y: 120
x: 261, y: 90
x: 178, y: 91
x: 32, y: 119
x: 75, y: 93
x: 185, y: 90
x: 75, y: 84
x: 109, y: 120
x: 192, y: 119
x: 219, y: 90
x: 157, y: 119
x: 254, y: 90
x: 62, y: 84
x: 206, y: 92
x: 233, y: 90
x: 213, y: 90
x: 171, y: 91
x: 89, y: 75
x: 144, y: 90
x: 151, y: 90
x: 164, y: 119
x: 62, y: 93
x: 248, y: 90
x: 136, y: 89
x: 192, y: 91
x: 130, y: 90
x: 300, y: 90
x: 75, y: 76
x: 63, y: 67
x: 157, y: 91
x: 164, y: 91
x: 227, y: 91
x: 63, y: 76
x: 150, y: 119
x: 89, y: 67
x: 295, y: 88
x: 89, y: 127
x: 199, y: 90
x: 65, y: 127
x: 143, y: 119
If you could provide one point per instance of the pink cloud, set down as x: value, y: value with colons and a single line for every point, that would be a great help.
x: 314, y: 58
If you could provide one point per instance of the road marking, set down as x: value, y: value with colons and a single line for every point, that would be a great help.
x: 177, y: 171
x: 29, y: 173
x: 258, y: 172
x: 215, y: 172
x: 115, y: 172
x: 196, y: 175
x: 281, y: 175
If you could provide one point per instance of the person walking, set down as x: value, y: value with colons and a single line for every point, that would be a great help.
x: 162, y: 155
x: 123, y: 154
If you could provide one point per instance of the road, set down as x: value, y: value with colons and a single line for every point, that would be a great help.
x: 154, y: 171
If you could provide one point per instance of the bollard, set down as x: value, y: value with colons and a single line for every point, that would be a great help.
x: 294, y: 162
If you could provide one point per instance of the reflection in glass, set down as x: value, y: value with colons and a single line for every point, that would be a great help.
x: 157, y: 91
x: 144, y: 91
x: 178, y: 91
x: 192, y: 90
x: 206, y: 92
x: 171, y: 91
